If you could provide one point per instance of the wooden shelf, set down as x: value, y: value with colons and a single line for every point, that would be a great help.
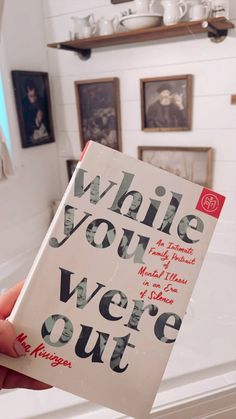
x: 216, y: 28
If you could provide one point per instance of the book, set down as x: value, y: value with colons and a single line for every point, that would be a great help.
x: 103, y: 303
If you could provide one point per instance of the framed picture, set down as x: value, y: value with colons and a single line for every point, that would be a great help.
x: 191, y: 163
x: 33, y: 106
x: 98, y: 106
x: 71, y: 165
x: 119, y: 1
x: 166, y: 103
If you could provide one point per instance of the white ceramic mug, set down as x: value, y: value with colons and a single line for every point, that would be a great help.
x: 107, y: 26
x: 199, y: 11
x: 220, y: 8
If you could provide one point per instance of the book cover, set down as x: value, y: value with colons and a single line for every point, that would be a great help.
x: 104, y: 300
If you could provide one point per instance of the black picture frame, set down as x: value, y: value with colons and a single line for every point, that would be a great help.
x: 33, y: 105
x: 98, y: 110
x: 71, y: 165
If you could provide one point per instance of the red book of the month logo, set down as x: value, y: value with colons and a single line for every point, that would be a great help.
x: 210, y: 202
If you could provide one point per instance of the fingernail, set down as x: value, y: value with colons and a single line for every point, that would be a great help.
x: 19, y: 349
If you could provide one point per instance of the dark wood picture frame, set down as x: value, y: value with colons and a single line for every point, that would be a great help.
x: 71, y: 165
x: 191, y: 163
x: 33, y: 105
x: 166, y: 103
x: 119, y: 1
x: 98, y: 109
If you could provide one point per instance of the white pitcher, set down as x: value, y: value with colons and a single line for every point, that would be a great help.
x: 107, y: 26
x: 84, y: 27
x: 144, y: 6
x: 174, y: 10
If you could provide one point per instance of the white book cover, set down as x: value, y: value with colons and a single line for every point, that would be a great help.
x: 104, y: 300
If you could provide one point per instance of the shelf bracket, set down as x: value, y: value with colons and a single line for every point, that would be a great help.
x: 84, y: 54
x: 215, y: 35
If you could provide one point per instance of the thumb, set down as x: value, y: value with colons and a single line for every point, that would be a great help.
x: 8, y: 299
x: 8, y: 343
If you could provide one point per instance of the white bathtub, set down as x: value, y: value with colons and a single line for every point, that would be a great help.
x: 208, y: 335
x: 202, y: 363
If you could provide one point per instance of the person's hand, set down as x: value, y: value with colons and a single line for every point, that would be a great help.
x: 9, y: 346
x: 178, y: 100
x: 39, y: 118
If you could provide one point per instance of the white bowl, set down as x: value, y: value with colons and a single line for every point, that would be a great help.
x: 140, y: 21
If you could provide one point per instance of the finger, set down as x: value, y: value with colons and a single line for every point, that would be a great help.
x: 7, y: 300
x: 13, y: 379
x: 8, y: 344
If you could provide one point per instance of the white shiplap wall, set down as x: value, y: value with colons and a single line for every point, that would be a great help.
x: 214, y: 118
x: 25, y: 211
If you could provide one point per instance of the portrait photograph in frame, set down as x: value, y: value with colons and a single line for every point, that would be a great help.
x: 71, y: 165
x: 191, y: 163
x: 33, y: 105
x: 98, y: 109
x: 166, y: 103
